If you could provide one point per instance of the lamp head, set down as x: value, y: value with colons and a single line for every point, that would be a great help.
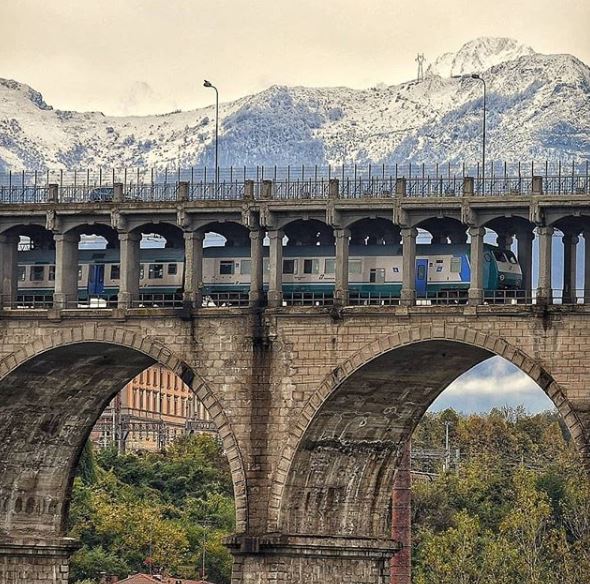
x: 207, y: 83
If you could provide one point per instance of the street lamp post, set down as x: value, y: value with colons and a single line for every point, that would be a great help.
x: 478, y: 77
x: 209, y: 84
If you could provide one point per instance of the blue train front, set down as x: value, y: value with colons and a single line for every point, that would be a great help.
x: 375, y: 271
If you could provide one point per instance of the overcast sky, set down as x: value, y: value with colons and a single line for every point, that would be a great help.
x: 150, y: 56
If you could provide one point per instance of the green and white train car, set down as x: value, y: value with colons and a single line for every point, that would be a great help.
x: 373, y: 271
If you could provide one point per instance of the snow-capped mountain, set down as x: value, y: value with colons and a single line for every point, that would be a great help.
x: 538, y: 108
x: 478, y: 55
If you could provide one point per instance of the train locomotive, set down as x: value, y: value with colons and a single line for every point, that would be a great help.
x: 375, y: 271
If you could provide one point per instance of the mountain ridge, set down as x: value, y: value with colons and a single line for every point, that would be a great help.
x: 538, y: 107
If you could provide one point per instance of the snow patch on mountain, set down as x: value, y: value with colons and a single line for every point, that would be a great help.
x: 478, y: 55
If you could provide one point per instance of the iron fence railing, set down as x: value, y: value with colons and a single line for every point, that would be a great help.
x: 225, y: 299
x: 299, y: 189
x: 14, y: 194
x: 151, y: 193
x: 308, y: 299
x: 34, y: 301
x: 212, y: 191
x: 294, y: 182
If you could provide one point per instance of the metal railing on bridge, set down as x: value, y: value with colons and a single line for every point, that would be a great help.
x: 33, y: 301
x: 350, y: 181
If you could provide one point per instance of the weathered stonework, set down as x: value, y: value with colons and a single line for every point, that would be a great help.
x: 313, y: 408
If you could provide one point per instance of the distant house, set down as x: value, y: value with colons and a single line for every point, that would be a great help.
x: 157, y: 579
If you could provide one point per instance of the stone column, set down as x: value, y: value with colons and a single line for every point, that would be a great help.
x: 586, y: 267
x: 401, y: 519
x: 8, y: 269
x: 66, y: 270
x: 476, y: 291
x: 129, y: 280
x: 193, y: 268
x: 256, y: 294
x: 570, y: 243
x: 544, y: 291
x: 275, y: 284
x: 28, y: 559
x: 408, y: 294
x: 299, y: 559
x: 341, y: 276
x: 525, y: 259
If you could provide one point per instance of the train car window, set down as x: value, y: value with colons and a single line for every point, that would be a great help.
x: 355, y: 266
x: 172, y: 269
x: 266, y: 265
x: 156, y: 271
x: 311, y: 266
x: 455, y: 265
x: 499, y: 255
x: 511, y: 257
x: 79, y: 273
x: 115, y: 271
x: 226, y: 267
x: 141, y: 272
x: 289, y: 266
x: 395, y: 270
x: 245, y: 267
x: 377, y: 275
x: 22, y: 273
x: 37, y: 273
x: 330, y: 266
x: 51, y: 273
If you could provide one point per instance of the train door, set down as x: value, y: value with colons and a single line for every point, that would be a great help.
x: 95, y: 279
x: 421, y: 276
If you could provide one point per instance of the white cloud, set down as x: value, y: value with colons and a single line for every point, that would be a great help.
x: 493, y: 383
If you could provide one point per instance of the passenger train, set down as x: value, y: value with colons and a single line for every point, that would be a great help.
x: 374, y: 270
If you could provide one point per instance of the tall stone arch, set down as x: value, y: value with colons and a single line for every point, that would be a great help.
x: 295, y: 499
x: 26, y: 497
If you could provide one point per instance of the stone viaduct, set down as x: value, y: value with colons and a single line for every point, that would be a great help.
x: 313, y: 404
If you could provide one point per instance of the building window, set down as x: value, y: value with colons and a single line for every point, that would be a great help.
x: 311, y: 266
x: 37, y: 273
x: 355, y: 266
x: 377, y: 275
x: 115, y: 272
x: 226, y: 267
x: 246, y: 267
x: 156, y: 271
x: 289, y: 266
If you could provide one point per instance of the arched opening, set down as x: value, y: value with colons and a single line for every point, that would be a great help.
x: 27, y: 254
x: 443, y: 264
x: 342, y: 461
x: 226, y: 264
x: 570, y: 278
x: 52, y: 396
x: 305, y: 267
